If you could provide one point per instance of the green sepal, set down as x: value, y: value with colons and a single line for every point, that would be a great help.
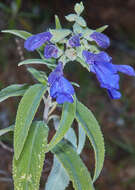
x: 71, y: 54
x: 59, y: 34
x: 80, y: 58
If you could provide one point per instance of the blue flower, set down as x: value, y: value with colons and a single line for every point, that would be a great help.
x: 35, y: 41
x: 101, y: 39
x: 60, y: 88
x: 74, y: 41
x: 50, y: 51
x: 106, y: 72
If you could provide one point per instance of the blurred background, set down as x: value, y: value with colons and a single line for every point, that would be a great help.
x: 116, y: 117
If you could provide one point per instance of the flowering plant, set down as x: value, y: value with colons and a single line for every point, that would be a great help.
x: 56, y: 47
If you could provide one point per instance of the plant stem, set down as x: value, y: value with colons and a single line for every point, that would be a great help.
x: 47, y: 102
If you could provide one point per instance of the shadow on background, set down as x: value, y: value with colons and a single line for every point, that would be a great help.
x: 117, y: 117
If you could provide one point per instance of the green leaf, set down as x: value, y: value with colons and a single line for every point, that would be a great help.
x: 57, y: 22
x: 59, y: 34
x: 71, y: 17
x: 58, y: 178
x: 81, y: 139
x: 20, y: 33
x: 81, y: 21
x: 68, y: 115
x: 6, y: 130
x: 101, y: 29
x: 37, y: 61
x: 38, y: 75
x: 18, y: 2
x: 75, y: 84
x: 13, y: 90
x: 92, y: 129
x: 74, y: 166
x: 25, y: 114
x: 79, y: 8
x: 24, y: 35
x: 27, y: 170
x: 71, y: 137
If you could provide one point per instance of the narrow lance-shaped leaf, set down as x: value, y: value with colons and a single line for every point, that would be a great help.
x: 102, y: 28
x: 68, y: 115
x: 71, y: 137
x: 27, y: 170
x: 92, y: 129
x: 25, y: 114
x: 81, y: 139
x: 57, y: 22
x: 38, y: 75
x: 70, y: 134
x: 20, y: 33
x: 13, y: 90
x: 6, y: 130
x: 74, y: 166
x: 48, y: 63
x: 24, y: 35
x: 58, y: 178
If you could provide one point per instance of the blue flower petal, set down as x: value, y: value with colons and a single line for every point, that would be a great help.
x: 102, y: 57
x: 114, y: 94
x: 74, y: 41
x: 101, y: 39
x: 92, y: 58
x: 106, y: 77
x: 92, y: 69
x: 62, y: 98
x: 88, y: 57
x: 50, y: 51
x: 56, y: 74
x: 35, y: 41
x: 125, y: 69
x: 61, y: 85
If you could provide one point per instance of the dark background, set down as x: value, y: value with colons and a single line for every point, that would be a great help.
x: 116, y: 117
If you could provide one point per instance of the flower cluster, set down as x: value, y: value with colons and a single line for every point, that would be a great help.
x: 101, y: 65
x: 78, y: 44
x: 36, y: 41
